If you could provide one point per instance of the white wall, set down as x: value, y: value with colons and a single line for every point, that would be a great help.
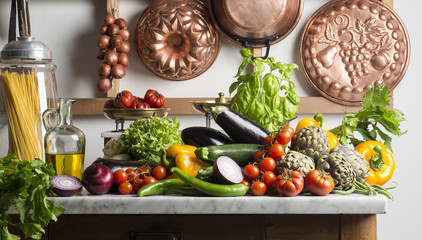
x: 70, y: 29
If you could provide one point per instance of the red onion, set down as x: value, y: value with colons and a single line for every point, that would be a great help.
x: 227, y: 171
x: 97, y: 179
x: 66, y: 185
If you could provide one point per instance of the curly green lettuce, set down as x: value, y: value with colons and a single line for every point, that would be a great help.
x: 146, y: 139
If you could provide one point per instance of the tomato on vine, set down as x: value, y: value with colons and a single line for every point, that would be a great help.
x: 258, y: 156
x: 267, y: 164
x: 268, y: 178
x: 269, y: 141
x: 120, y: 176
x: 251, y: 172
x: 276, y: 151
x: 285, y: 135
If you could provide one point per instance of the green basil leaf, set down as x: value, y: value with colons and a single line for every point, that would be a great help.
x: 233, y: 87
x: 271, y: 84
x: 276, y: 102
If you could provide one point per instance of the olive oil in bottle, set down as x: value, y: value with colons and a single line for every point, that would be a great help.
x: 64, y: 143
x: 69, y: 164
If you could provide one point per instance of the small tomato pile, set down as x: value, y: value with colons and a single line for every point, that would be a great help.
x: 262, y: 177
x: 131, y: 180
x: 125, y: 99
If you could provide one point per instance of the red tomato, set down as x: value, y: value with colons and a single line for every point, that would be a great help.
x: 276, y: 151
x: 269, y: 141
x: 251, y: 172
x: 258, y: 156
x: 142, y: 105
x: 319, y: 182
x: 285, y: 135
x: 159, y: 172
x: 137, y: 184
x: 154, y: 98
x: 246, y: 183
x: 267, y: 164
x: 289, y: 184
x: 125, y: 188
x: 148, y: 180
x: 120, y: 176
x: 143, y: 171
x: 131, y: 174
x: 258, y: 188
x: 109, y: 103
x: 268, y: 178
x: 123, y: 99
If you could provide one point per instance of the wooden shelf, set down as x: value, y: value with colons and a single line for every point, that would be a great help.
x: 182, y: 106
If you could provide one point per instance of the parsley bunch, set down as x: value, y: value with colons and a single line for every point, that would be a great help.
x: 25, y: 184
x: 370, y: 118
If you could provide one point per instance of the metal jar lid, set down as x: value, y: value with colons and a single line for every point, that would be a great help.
x: 26, y: 48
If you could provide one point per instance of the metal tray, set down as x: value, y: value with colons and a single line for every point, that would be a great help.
x: 134, y: 114
x: 349, y: 46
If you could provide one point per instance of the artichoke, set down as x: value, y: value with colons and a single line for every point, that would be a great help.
x: 311, y: 141
x: 339, y: 168
x: 359, y: 164
x: 295, y: 161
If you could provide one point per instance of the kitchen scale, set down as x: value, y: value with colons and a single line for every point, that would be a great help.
x: 205, y: 106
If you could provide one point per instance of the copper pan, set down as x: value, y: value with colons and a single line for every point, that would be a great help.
x: 349, y: 46
x: 176, y: 40
x: 255, y: 24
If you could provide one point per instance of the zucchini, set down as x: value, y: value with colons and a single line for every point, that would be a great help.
x: 239, y: 128
x: 204, y: 136
x: 241, y: 153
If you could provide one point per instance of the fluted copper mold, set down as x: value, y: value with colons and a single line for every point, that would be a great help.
x: 349, y: 46
x: 176, y: 39
x: 255, y: 22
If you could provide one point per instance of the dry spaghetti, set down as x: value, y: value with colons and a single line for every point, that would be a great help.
x: 22, y: 101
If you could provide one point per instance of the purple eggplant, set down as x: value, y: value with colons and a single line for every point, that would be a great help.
x: 239, y: 128
x: 204, y: 136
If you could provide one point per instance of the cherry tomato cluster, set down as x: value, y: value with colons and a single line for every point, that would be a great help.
x: 260, y: 175
x: 114, y: 49
x: 125, y: 99
x: 131, y: 180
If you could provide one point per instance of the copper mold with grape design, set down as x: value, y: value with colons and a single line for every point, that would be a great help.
x: 349, y: 46
x: 176, y: 40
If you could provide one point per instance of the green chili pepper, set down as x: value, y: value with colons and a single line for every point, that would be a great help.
x: 212, y: 189
x: 186, y: 191
x: 161, y: 187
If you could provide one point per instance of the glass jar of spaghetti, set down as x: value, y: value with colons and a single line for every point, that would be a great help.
x: 28, y: 83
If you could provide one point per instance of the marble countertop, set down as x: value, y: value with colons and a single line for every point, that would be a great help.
x: 302, y: 204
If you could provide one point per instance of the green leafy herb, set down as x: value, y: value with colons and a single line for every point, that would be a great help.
x: 258, y: 94
x: 25, y: 184
x: 367, y: 121
x: 146, y: 139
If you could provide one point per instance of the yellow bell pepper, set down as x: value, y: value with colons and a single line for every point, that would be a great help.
x: 173, y: 150
x: 318, y: 121
x: 184, y: 158
x: 306, y: 122
x: 381, y: 161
